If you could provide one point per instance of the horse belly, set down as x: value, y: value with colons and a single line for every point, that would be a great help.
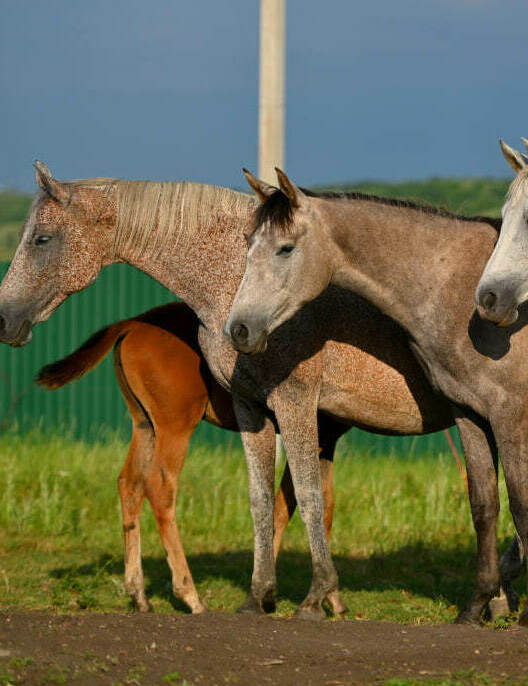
x: 387, y: 396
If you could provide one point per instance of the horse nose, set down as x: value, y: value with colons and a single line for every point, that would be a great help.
x: 488, y: 300
x: 239, y: 333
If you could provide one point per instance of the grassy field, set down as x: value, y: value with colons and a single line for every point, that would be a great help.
x: 403, y: 541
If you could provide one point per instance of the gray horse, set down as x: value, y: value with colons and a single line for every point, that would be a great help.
x: 420, y: 266
x: 504, y: 283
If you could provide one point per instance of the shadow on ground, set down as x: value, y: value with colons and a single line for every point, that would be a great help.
x: 440, y: 574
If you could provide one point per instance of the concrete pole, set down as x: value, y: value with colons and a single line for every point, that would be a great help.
x: 271, y: 99
x: 271, y: 92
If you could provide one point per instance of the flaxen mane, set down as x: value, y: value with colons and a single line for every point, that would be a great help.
x: 151, y: 214
x: 277, y: 213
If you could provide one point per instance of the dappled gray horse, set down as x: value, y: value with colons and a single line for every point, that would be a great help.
x: 343, y: 371
x: 420, y: 267
x: 503, y: 285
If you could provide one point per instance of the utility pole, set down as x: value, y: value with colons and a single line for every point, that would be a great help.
x: 271, y: 99
x: 271, y: 88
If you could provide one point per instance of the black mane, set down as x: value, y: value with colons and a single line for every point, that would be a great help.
x: 277, y: 209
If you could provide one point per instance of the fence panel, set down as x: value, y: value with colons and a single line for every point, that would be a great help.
x: 92, y: 405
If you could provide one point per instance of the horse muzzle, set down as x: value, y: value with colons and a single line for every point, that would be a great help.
x: 15, y: 333
x: 244, y: 340
x: 497, y: 306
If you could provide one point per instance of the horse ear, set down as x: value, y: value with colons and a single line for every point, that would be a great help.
x: 262, y: 189
x: 54, y: 188
x: 515, y: 159
x: 289, y: 189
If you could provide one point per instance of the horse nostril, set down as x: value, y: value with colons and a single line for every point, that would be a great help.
x: 489, y: 300
x: 2, y: 324
x: 239, y: 333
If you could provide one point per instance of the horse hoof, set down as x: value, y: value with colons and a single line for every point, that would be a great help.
x: 466, y: 617
x: 143, y: 607
x: 498, y: 607
x: 199, y: 609
x: 250, y: 606
x: 314, y: 613
x: 523, y: 619
x: 336, y: 605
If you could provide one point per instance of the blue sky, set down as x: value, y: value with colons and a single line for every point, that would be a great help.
x: 168, y: 89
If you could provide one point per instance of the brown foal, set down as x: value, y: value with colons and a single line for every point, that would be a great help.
x: 168, y: 389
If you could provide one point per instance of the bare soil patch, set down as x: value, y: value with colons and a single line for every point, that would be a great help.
x: 39, y: 648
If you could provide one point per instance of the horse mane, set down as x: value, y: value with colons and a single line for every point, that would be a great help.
x: 276, y: 211
x: 152, y: 214
x: 518, y: 184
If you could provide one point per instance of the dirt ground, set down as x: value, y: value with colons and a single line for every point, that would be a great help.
x: 43, y: 648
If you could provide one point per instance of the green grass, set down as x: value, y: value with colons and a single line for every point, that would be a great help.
x: 403, y: 541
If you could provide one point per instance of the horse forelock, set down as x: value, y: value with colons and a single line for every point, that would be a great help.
x: 274, y: 216
x: 152, y: 214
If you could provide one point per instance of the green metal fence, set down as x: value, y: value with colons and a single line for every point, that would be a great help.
x: 93, y: 405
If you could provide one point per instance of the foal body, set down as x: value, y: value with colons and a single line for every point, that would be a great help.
x: 420, y: 267
x: 169, y: 389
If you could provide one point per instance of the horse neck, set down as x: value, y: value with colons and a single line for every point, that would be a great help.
x: 203, y: 268
x: 410, y: 263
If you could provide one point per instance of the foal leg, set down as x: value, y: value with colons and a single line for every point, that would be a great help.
x: 481, y: 462
x: 161, y: 486
x: 258, y: 437
x: 131, y: 491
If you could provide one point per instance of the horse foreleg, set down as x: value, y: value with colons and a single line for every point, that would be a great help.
x: 258, y: 437
x: 481, y: 463
x: 285, y: 502
x: 131, y: 491
x: 298, y: 426
x: 161, y: 485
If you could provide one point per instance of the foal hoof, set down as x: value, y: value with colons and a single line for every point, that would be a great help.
x: 314, y: 613
x: 144, y: 606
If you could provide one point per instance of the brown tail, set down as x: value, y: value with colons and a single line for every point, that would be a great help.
x: 83, y: 359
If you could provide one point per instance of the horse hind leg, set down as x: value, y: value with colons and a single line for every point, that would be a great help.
x: 510, y: 565
x: 161, y: 490
x: 481, y: 461
x: 131, y: 492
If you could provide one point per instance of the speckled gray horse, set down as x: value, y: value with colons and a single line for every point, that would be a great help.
x: 503, y: 286
x: 419, y: 266
x: 190, y: 237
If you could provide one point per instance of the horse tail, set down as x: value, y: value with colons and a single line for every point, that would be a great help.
x: 85, y: 358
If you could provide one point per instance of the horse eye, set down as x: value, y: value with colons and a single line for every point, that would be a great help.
x: 42, y: 240
x: 285, y: 249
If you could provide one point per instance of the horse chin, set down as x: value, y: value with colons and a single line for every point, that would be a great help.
x: 259, y: 346
x: 22, y: 336
x: 509, y: 318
